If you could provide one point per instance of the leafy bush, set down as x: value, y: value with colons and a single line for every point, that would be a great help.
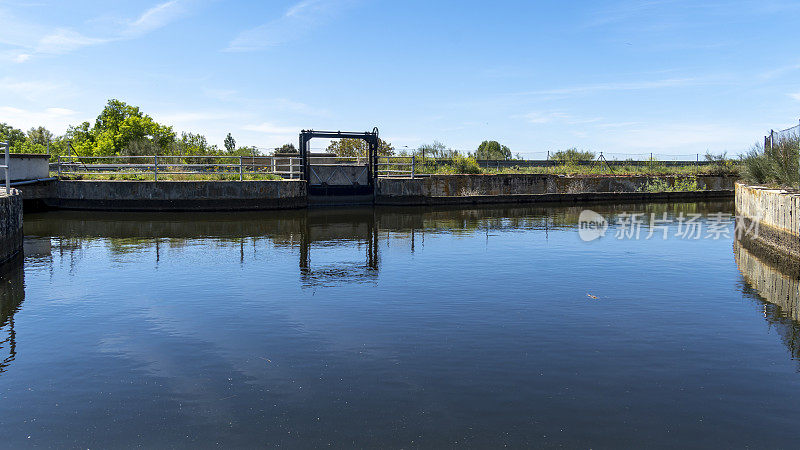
x: 680, y: 185
x: 462, y: 165
x: 573, y: 154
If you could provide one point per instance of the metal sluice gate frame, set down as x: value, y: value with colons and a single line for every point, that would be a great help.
x: 371, y: 138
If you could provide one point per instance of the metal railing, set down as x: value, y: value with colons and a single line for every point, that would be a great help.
x: 6, y: 166
x: 397, y: 166
x: 188, y: 166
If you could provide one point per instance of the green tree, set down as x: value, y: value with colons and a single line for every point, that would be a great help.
x: 572, y: 155
x: 11, y: 135
x: 285, y: 148
x: 492, y: 150
x: 436, y: 150
x: 192, y: 144
x: 348, y: 147
x: 40, y: 136
x: 122, y: 129
x: 230, y: 143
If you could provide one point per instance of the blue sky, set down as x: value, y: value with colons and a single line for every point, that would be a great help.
x: 623, y: 77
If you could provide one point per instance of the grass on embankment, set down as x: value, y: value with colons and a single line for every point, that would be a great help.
x: 470, y: 166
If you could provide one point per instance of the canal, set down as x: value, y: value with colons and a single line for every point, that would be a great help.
x: 393, y: 328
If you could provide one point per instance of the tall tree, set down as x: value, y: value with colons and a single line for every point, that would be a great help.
x: 351, y: 147
x: 40, y: 136
x: 119, y: 125
x: 230, y: 143
x: 10, y: 134
x: 285, y: 148
x: 492, y: 150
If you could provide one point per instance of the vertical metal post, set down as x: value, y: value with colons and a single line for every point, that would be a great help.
x: 771, y: 139
x: 59, y: 167
x: 8, y: 169
x: 291, y: 167
x: 155, y: 167
x: 412, y: 166
x: 241, y: 171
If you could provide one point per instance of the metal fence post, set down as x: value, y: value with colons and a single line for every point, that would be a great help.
x: 7, y: 168
x: 155, y: 167
x: 58, y: 165
x: 771, y: 139
x: 412, y: 167
x: 241, y: 172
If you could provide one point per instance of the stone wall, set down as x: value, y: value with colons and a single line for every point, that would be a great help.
x: 177, y: 195
x: 778, y: 214
x: 10, y: 224
x: 448, y: 188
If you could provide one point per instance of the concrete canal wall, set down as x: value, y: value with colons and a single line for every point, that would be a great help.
x: 777, y: 280
x: 778, y: 214
x: 454, y: 189
x: 10, y: 224
x: 433, y: 190
x: 172, y: 195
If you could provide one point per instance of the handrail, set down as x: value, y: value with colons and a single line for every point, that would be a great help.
x: 160, y: 165
x: 6, y: 167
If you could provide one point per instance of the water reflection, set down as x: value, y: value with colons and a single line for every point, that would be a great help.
x: 429, y: 327
x: 310, y: 232
x: 12, y: 294
x: 775, y: 282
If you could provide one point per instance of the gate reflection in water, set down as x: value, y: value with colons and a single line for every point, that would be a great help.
x: 431, y: 327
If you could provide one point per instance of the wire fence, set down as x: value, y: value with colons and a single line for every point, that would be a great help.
x: 783, y: 147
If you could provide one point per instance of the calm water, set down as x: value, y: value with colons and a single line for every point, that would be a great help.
x: 396, y: 328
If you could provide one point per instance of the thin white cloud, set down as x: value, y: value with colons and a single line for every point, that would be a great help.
x: 795, y: 96
x: 297, y: 21
x: 270, y: 128
x: 626, y: 86
x: 30, y: 39
x: 156, y: 17
x: 31, y: 90
x: 544, y: 117
x: 55, y: 119
x: 65, y: 40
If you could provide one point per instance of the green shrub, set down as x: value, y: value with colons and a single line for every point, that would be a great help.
x: 680, y: 185
x: 462, y: 165
x: 572, y: 154
x: 777, y: 165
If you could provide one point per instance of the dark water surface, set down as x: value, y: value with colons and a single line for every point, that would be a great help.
x: 387, y: 328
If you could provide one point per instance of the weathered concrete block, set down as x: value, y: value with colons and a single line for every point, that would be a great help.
x: 10, y: 224
x: 28, y: 166
x: 178, y: 195
x: 778, y: 214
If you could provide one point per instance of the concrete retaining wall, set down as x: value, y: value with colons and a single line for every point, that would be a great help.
x: 439, y: 189
x: 778, y: 214
x: 29, y: 166
x: 10, y: 224
x: 176, y: 195
x: 776, y: 280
